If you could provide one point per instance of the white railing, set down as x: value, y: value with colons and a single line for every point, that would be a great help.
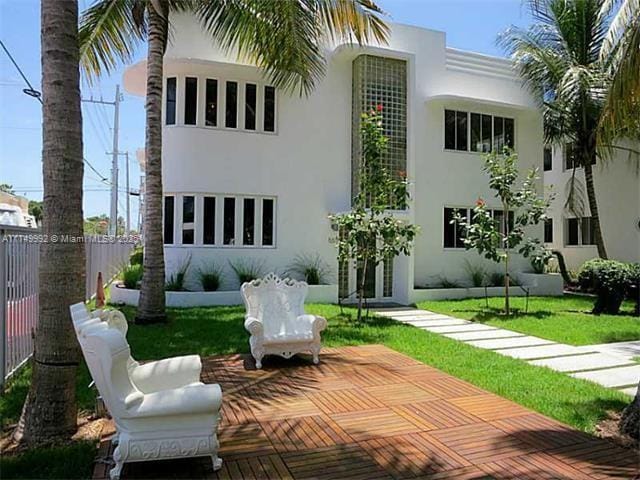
x: 19, y: 260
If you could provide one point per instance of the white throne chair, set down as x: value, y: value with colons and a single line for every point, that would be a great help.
x: 276, y: 319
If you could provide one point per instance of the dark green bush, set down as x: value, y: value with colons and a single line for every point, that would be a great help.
x: 588, y: 273
x: 131, y: 276
x: 210, y: 277
x: 247, y: 270
x: 610, y: 281
x: 136, y: 257
x: 633, y: 289
x: 310, y: 268
x: 176, y: 281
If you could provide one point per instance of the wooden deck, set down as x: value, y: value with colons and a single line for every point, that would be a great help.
x: 371, y: 413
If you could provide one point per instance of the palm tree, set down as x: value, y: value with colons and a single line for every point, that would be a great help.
x: 50, y: 409
x: 283, y: 37
x: 559, y: 58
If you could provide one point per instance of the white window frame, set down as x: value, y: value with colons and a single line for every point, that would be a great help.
x: 565, y: 231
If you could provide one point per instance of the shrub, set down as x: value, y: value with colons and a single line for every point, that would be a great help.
x: 610, y: 280
x: 633, y: 289
x: 136, y: 256
x: 131, y: 276
x: 446, y: 283
x: 310, y: 268
x: 176, y: 281
x: 477, y: 273
x: 588, y: 273
x: 247, y: 270
x: 210, y: 277
x: 496, y: 279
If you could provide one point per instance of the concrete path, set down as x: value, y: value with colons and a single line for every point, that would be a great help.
x: 611, y: 365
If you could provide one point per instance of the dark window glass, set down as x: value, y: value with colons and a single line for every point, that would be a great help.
x: 170, y: 113
x: 588, y: 235
x: 509, y: 133
x: 461, y: 131
x: 486, y: 133
x: 449, y: 129
x: 572, y: 231
x: 248, y: 221
x: 449, y: 229
x: 231, y: 114
x: 209, y: 235
x: 188, y: 214
x: 460, y: 231
x: 498, y: 134
x: 548, y: 159
x: 168, y: 219
x: 190, y: 100
x: 187, y: 236
x: 498, y: 218
x: 548, y: 230
x: 250, y: 106
x: 269, y: 109
x: 211, y: 113
x: 267, y: 221
x: 476, y: 133
x: 229, y: 230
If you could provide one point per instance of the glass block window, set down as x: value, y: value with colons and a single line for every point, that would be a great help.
x: 387, y: 284
x: 380, y: 81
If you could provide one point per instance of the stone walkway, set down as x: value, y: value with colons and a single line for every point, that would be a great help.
x: 610, y: 365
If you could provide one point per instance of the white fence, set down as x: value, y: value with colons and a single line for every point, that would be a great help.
x: 19, y: 260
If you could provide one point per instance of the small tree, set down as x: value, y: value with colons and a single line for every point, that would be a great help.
x: 370, y: 233
x: 522, y: 207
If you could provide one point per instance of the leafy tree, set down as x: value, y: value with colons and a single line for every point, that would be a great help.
x: 497, y: 240
x: 285, y: 38
x: 5, y: 187
x: 370, y: 233
x: 35, y: 209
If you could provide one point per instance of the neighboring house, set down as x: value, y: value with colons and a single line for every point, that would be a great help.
x: 251, y: 172
x: 14, y: 211
x: 617, y: 183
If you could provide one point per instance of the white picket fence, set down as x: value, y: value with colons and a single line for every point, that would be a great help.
x: 19, y: 260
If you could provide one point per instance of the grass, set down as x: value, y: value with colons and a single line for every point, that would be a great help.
x: 70, y: 461
x: 561, y: 319
x: 219, y: 330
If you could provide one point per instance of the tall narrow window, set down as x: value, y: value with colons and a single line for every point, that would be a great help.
x: 587, y: 233
x: 572, y: 236
x: 449, y: 130
x: 569, y: 160
x: 209, y: 225
x: 170, y: 113
x: 476, y: 133
x: 190, y: 100
x: 548, y: 230
x: 250, y: 106
x: 509, y: 133
x: 168, y: 220
x: 229, y: 227
x: 267, y: 222
x: 188, y: 215
x: 461, y: 131
x: 231, y: 110
x: 453, y: 233
x: 248, y: 221
x: 498, y: 134
x: 486, y: 133
x: 211, y: 113
x: 269, y: 109
x: 548, y: 159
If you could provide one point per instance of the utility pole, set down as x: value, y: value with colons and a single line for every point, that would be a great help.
x: 128, y: 223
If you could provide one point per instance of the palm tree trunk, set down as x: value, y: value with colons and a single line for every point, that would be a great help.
x: 593, y: 207
x: 49, y: 411
x: 151, y: 307
x: 630, y: 421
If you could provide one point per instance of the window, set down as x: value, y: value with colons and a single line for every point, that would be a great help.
x: 579, y: 231
x: 509, y: 133
x: 231, y: 111
x: 209, y: 225
x: 248, y: 221
x: 455, y: 130
x: 498, y: 133
x: 267, y: 221
x: 476, y: 132
x: 250, y: 106
x: 569, y: 158
x: 269, y: 109
x: 453, y: 233
x: 211, y: 108
x: 548, y: 230
x: 498, y: 217
x: 486, y: 133
x: 170, y: 118
x: 572, y: 234
x: 168, y: 219
x: 190, y: 100
x: 587, y: 231
x: 548, y: 159
x: 188, y: 217
x: 229, y: 227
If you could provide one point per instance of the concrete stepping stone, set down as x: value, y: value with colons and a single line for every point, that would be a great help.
x: 543, y: 351
x: 437, y: 323
x: 612, y: 377
x: 497, y: 333
x: 469, y: 327
x: 419, y: 318
x: 630, y: 391
x: 402, y: 313
x: 579, y: 363
x: 500, y: 343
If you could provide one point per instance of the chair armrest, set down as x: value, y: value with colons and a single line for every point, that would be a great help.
x: 254, y: 326
x: 166, y: 374
x: 316, y: 322
x: 197, y: 398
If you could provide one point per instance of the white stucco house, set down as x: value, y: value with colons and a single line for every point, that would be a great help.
x: 251, y: 172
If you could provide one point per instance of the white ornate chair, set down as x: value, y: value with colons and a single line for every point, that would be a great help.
x: 160, y: 421
x: 276, y: 319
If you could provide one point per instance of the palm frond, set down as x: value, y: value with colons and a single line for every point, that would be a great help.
x: 576, y: 194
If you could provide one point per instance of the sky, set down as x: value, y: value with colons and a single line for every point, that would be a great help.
x: 469, y: 25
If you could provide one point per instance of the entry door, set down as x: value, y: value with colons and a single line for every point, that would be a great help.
x: 378, y: 282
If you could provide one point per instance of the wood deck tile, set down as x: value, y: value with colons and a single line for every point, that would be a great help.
x: 382, y: 422
x: 341, y: 401
x: 436, y: 414
x: 247, y: 439
x: 305, y: 433
x: 448, y: 387
x: 398, y: 394
x: 489, y: 407
x: 537, y: 466
x: 537, y: 430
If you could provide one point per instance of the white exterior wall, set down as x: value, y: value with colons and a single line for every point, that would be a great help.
x: 617, y: 184
x: 306, y: 165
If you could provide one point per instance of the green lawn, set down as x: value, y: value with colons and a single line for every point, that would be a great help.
x: 565, y: 319
x: 209, y: 331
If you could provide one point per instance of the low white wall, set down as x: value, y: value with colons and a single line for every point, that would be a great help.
x: 119, y: 295
x: 548, y: 284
